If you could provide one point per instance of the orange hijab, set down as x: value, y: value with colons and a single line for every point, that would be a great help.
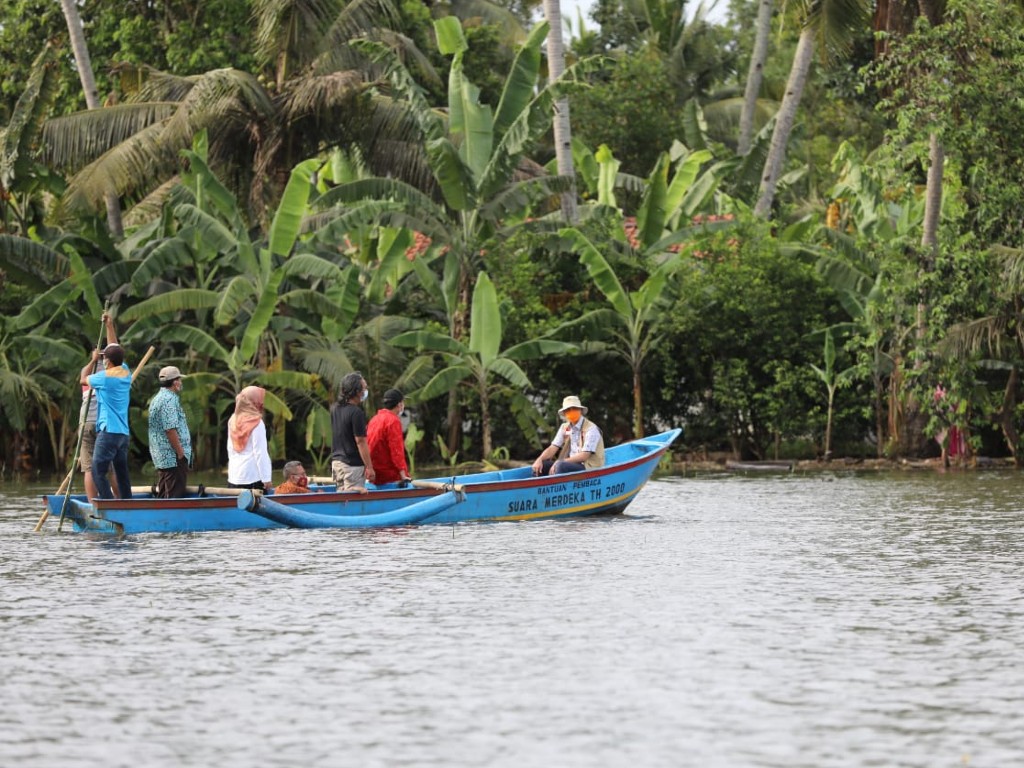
x: 248, y: 413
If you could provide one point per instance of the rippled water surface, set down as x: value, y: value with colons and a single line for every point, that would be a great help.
x: 829, y: 620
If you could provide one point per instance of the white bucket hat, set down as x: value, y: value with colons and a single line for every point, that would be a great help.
x: 572, y: 402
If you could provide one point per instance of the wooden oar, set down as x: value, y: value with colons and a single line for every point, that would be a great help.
x: 46, y: 512
x: 436, y: 486
x: 206, y: 490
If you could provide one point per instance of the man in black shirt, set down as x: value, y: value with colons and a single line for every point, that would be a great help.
x: 350, y: 453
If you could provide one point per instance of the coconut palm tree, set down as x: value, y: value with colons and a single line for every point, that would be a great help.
x: 755, y: 73
x: 311, y: 95
x: 827, y: 27
x: 92, y: 98
x: 562, y: 126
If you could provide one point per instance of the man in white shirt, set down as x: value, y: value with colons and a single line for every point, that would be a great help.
x: 578, y: 444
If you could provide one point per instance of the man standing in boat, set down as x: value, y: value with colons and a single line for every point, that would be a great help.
x: 113, y: 387
x: 578, y: 444
x: 90, y: 411
x: 350, y: 453
x: 387, y: 445
x: 170, y: 443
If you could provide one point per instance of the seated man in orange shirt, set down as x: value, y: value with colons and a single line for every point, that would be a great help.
x: 295, y: 479
x: 387, y: 445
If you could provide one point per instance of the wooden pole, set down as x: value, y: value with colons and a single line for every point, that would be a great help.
x: 436, y: 486
x: 142, y: 363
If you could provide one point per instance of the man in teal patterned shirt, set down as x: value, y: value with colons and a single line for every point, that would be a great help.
x: 170, y: 443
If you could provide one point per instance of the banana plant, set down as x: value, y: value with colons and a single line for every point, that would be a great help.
x: 833, y: 381
x: 481, y: 365
x: 33, y: 380
x: 23, y: 179
x: 232, y: 317
x: 473, y: 152
x: 630, y: 327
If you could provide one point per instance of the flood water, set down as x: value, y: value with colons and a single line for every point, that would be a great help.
x: 821, y: 620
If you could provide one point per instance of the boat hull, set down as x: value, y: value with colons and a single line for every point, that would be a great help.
x: 503, y: 495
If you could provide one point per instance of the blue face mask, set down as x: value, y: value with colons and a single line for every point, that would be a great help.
x: 366, y: 394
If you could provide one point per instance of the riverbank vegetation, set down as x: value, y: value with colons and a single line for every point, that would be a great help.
x: 793, y: 229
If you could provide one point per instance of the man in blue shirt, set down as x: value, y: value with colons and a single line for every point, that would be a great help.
x: 170, y: 444
x: 112, y: 389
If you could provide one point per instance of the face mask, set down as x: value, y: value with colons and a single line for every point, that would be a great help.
x: 573, y: 416
x: 366, y: 394
x: 303, y: 481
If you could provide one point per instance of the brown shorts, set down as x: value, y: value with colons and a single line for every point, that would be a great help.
x: 347, y: 477
x: 88, y: 441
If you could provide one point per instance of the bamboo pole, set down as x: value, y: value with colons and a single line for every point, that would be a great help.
x: 142, y: 363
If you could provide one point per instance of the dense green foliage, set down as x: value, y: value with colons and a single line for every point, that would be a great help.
x: 182, y: 37
x: 364, y: 187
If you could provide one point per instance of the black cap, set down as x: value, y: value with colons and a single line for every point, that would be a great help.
x: 393, y: 397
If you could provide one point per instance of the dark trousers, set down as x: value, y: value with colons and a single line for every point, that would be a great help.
x: 111, y: 449
x: 562, y: 466
x: 170, y: 483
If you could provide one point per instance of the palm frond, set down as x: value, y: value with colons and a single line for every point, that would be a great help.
x: 1013, y: 268
x: 140, y: 162
x: 152, y: 205
x: 223, y: 101
x: 358, y: 19
x: 327, y: 359
x: 986, y: 334
x: 321, y: 98
x: 835, y: 23
x: 390, y: 135
x: 291, y: 28
x: 74, y: 141
x: 145, y: 84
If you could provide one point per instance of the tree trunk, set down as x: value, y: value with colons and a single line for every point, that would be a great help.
x: 457, y: 328
x: 638, y: 405
x: 1006, y: 416
x: 485, y: 423
x: 561, y: 125
x: 754, y: 75
x: 784, y: 121
x: 76, y: 33
x: 828, y: 424
x: 930, y: 233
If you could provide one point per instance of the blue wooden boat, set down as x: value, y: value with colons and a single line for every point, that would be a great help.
x: 507, y: 494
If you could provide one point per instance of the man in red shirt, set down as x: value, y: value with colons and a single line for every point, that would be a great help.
x: 387, y: 445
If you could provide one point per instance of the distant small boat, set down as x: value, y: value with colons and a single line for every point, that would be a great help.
x: 759, y: 466
x: 507, y: 494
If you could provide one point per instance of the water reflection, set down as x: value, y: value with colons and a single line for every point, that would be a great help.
x: 832, y: 620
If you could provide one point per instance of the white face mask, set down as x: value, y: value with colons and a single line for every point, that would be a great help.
x: 366, y: 394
